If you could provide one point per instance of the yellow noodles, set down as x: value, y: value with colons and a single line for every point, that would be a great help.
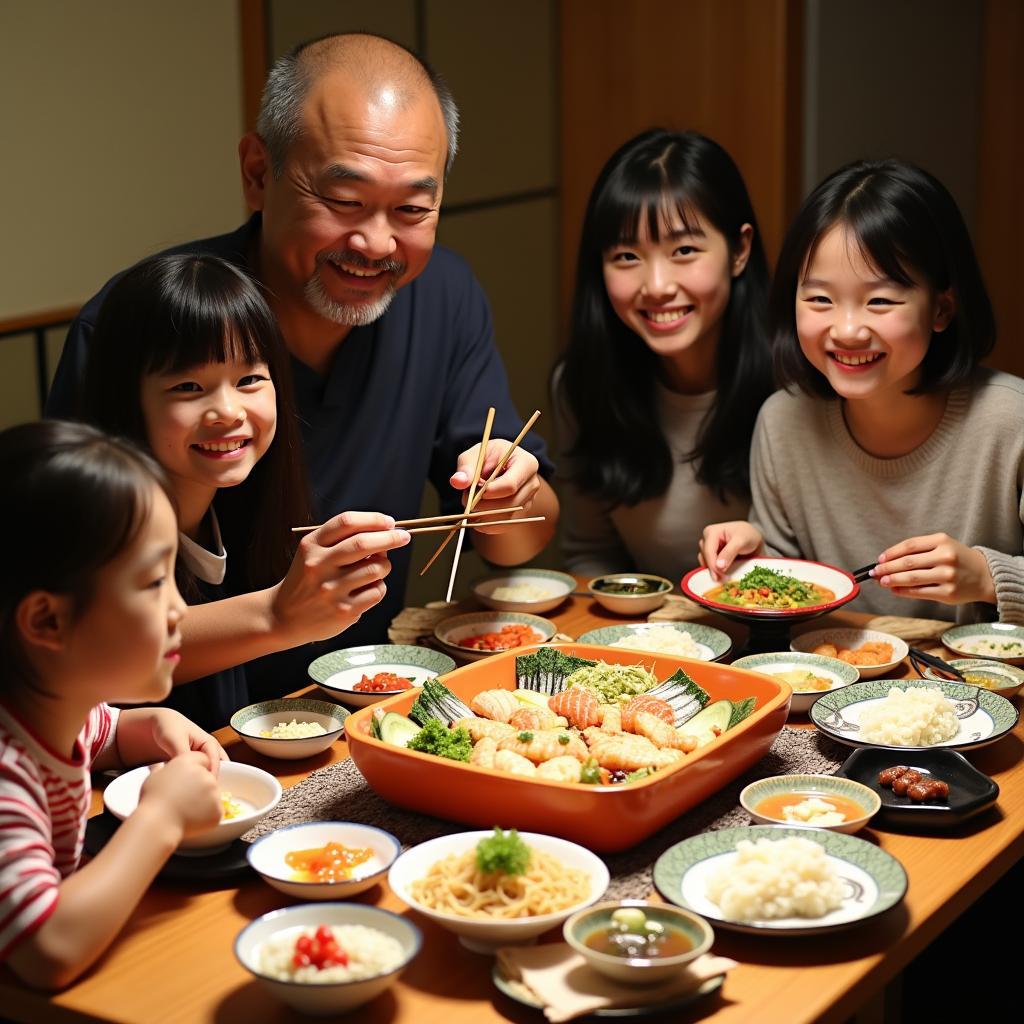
x: 456, y: 886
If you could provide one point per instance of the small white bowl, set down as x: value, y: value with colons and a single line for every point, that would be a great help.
x: 822, y: 786
x: 260, y: 790
x: 630, y: 604
x: 266, y: 856
x: 450, y: 632
x: 336, y: 997
x: 484, y: 935
x: 839, y: 672
x: 251, y: 721
x: 559, y: 585
x: 854, y: 638
x: 638, y: 971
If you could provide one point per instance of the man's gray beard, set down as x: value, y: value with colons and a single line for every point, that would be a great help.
x: 354, y: 315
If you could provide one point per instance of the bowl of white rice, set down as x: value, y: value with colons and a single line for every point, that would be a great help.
x: 524, y: 590
x: 681, y: 639
x: 290, y: 728
x: 376, y: 946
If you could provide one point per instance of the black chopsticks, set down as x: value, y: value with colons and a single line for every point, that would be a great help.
x: 862, y: 574
x: 919, y: 658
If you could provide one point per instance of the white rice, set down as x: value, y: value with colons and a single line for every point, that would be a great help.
x: 661, y: 640
x: 770, y: 879
x: 915, y: 717
x: 522, y: 592
x: 369, y: 952
x: 293, y: 730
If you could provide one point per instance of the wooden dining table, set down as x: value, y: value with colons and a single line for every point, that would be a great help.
x: 174, y: 960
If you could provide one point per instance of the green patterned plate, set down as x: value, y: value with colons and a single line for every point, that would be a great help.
x: 338, y: 671
x: 984, y: 716
x: 999, y: 641
x: 712, y: 644
x: 873, y: 879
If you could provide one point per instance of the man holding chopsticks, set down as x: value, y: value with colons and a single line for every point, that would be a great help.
x: 391, y: 338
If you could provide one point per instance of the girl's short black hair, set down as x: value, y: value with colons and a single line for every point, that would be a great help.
x: 608, y: 382
x: 73, y: 499
x: 909, y: 227
x: 170, y: 313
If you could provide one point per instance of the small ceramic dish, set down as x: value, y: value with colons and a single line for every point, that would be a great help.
x: 763, y: 800
x: 970, y: 791
x: 267, y: 857
x: 339, y: 672
x: 485, y: 934
x: 709, y: 644
x: 542, y: 590
x: 452, y: 633
x: 853, y: 640
x: 655, y: 594
x: 998, y: 641
x: 1000, y: 677
x: 319, y: 998
x: 256, y: 790
x: 250, y: 723
x: 584, y: 925
x: 837, y: 672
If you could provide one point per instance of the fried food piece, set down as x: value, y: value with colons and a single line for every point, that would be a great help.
x: 611, y: 718
x: 483, y: 752
x: 498, y: 705
x: 536, y: 718
x: 577, y: 704
x: 887, y: 775
x: 905, y: 781
x: 560, y: 769
x: 661, y: 734
x: 628, y: 752
x: 480, y: 727
x: 510, y: 761
x: 826, y: 650
x: 544, y: 744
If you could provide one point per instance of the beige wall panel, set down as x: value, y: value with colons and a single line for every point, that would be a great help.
x: 500, y: 62
x: 18, y: 403
x: 120, y: 121
x: 294, y: 21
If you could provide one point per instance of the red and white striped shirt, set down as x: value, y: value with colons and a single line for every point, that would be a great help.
x: 44, y: 804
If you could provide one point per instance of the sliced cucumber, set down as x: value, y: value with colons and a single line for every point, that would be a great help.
x: 396, y: 729
x: 710, y: 723
x: 531, y: 698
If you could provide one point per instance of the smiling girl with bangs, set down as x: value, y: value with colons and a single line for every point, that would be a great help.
x: 188, y: 361
x: 667, y: 363
x: 890, y: 427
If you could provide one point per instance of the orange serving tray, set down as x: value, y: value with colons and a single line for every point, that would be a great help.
x: 599, y: 817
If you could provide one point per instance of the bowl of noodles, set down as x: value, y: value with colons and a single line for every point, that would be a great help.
x: 787, y: 589
x: 498, y: 888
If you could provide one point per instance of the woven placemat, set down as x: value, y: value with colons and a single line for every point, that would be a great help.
x: 340, y: 793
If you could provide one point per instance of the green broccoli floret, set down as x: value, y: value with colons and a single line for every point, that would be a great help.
x: 437, y: 738
x: 504, y: 852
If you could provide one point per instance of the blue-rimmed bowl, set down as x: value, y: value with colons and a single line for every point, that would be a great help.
x: 266, y: 856
x: 252, y: 721
x: 324, y: 999
x: 866, y: 800
x: 337, y: 672
x: 837, y: 672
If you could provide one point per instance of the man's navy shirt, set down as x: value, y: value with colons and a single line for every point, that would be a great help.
x: 403, y: 397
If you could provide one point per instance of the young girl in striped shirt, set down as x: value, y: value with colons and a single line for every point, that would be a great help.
x: 89, y: 613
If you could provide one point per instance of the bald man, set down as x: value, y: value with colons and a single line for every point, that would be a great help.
x: 391, y: 338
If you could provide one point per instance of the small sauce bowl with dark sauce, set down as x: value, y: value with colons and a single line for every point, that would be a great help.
x: 630, y: 593
x: 636, y: 942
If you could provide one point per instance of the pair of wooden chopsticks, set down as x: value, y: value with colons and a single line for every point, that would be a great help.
x: 862, y: 574
x: 420, y: 524
x: 475, y: 495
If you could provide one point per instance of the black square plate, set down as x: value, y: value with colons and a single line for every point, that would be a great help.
x: 970, y: 791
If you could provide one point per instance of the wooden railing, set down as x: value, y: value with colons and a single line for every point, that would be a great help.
x: 36, y: 325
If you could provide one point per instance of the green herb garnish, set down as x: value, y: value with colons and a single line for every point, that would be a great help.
x: 525, y: 737
x: 503, y: 852
x: 563, y: 739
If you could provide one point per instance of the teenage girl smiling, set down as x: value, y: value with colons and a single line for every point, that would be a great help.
x: 891, y: 432
x: 668, y: 360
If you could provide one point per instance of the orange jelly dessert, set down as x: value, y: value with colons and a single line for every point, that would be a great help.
x: 330, y: 863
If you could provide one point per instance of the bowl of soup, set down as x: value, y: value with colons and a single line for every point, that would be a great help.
x: 811, y: 801
x: 636, y: 942
x: 630, y: 593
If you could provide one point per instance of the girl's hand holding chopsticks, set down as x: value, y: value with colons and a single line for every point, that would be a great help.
x: 337, y: 574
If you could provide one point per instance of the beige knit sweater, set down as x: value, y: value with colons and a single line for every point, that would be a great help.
x: 818, y: 495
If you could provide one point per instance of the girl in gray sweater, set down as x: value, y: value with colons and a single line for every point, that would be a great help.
x: 890, y: 443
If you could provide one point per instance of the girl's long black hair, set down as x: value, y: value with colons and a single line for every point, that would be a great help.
x: 72, y: 500
x: 620, y: 454
x: 170, y: 313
